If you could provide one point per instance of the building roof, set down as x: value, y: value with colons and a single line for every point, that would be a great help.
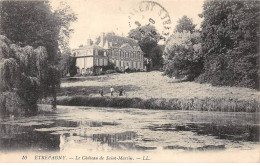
x: 93, y: 46
x: 118, y: 41
x: 126, y: 46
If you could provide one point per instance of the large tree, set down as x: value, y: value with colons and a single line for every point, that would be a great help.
x: 148, y: 38
x: 146, y: 31
x: 184, y: 53
x: 185, y: 24
x: 34, y: 23
x: 230, y: 38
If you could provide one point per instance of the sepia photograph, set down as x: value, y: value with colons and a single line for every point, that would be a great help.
x: 129, y: 81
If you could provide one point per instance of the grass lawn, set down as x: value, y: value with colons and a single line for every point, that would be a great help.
x: 146, y: 85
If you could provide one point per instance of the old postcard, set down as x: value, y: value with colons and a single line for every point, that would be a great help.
x: 129, y: 81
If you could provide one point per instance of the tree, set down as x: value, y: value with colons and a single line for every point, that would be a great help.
x: 72, y: 66
x: 34, y: 23
x: 23, y: 72
x: 185, y: 24
x: 64, y: 16
x: 147, y: 44
x: 148, y: 38
x: 156, y: 56
x: 67, y: 63
x: 184, y: 55
x: 230, y: 40
x: 147, y: 31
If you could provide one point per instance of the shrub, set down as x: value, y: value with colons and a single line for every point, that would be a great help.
x: 72, y: 66
x: 206, y: 104
x: 110, y: 71
x: 184, y: 55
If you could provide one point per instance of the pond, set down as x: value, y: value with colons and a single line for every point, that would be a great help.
x: 112, y: 129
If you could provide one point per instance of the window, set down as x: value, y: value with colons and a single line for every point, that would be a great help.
x: 105, y: 62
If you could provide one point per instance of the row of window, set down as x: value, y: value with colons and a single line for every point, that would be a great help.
x: 101, y: 62
x: 129, y: 64
x: 127, y: 53
x: 124, y: 55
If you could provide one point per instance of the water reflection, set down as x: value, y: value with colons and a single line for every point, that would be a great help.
x: 108, y: 131
x: 226, y: 131
x: 21, y: 138
x: 93, y: 142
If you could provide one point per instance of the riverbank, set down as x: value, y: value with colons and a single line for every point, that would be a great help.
x: 206, y: 104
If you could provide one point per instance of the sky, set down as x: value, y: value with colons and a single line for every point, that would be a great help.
x: 97, y: 16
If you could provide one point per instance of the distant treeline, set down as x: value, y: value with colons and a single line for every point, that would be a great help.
x: 225, y: 51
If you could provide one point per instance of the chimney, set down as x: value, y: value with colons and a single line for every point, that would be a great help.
x: 89, y: 42
x: 102, y: 42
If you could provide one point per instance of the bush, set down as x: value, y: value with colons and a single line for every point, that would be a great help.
x: 206, y: 104
x: 230, y: 39
x: 185, y: 57
x: 110, y: 71
x: 72, y: 66
x: 119, y: 70
x: 110, y: 66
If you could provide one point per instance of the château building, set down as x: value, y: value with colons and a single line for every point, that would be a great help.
x: 121, y: 51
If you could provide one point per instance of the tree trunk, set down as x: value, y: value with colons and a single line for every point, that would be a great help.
x: 54, y: 103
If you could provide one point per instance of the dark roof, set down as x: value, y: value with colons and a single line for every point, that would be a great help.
x: 126, y: 46
x: 118, y: 41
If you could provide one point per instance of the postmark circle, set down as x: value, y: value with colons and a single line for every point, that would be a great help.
x: 151, y: 13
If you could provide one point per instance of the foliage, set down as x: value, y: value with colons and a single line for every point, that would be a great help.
x: 110, y: 71
x: 147, y: 44
x: 148, y: 38
x: 144, y: 32
x: 110, y: 66
x: 67, y: 63
x: 184, y: 55
x: 185, y: 24
x: 9, y: 71
x: 230, y: 40
x: 34, y: 23
x: 65, y: 16
x: 64, y: 62
x: 156, y: 56
x: 25, y: 73
x: 207, y: 104
x: 72, y: 66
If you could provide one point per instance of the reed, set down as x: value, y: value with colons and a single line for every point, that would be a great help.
x: 205, y: 104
